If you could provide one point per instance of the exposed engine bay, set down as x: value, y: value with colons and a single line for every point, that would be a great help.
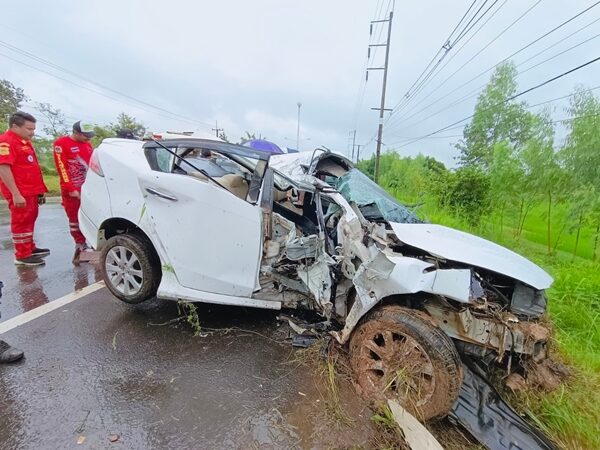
x: 334, y: 244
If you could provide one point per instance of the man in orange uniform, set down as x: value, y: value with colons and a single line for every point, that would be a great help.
x: 23, y: 187
x: 72, y: 157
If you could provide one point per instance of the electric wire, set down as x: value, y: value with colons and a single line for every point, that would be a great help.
x: 512, y: 97
x: 448, y: 78
x: 87, y: 80
x: 474, y: 93
x: 556, y: 28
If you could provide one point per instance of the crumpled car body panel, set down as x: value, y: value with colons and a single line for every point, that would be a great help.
x: 462, y: 247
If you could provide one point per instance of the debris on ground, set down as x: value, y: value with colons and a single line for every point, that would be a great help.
x: 546, y: 375
x: 304, y: 333
x: 416, y: 435
x: 490, y: 420
x: 92, y: 257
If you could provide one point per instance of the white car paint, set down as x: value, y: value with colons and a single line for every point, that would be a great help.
x: 455, y: 245
x: 212, y: 237
x: 210, y: 242
x: 171, y: 289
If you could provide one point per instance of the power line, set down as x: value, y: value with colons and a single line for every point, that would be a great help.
x: 454, y: 55
x: 87, y: 80
x: 526, y: 91
x: 462, y: 19
x: 507, y: 58
x: 447, y: 47
x: 475, y: 92
x: 448, y: 78
x: 383, y: 89
x: 363, y: 81
x: 568, y: 119
x: 466, y: 31
x: 562, y: 97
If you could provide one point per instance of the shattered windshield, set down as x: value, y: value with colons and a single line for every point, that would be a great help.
x: 374, y: 202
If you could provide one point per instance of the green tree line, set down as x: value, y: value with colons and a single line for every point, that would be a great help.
x: 510, y: 170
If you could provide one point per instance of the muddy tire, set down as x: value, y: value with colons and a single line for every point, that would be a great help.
x: 398, y: 354
x: 130, y: 268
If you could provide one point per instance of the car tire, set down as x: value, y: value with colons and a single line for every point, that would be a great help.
x: 398, y: 353
x: 130, y: 268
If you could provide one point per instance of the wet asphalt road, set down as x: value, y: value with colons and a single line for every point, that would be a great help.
x: 26, y: 288
x: 98, y: 369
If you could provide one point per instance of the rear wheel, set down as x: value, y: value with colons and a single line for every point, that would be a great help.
x: 397, y: 354
x: 130, y: 268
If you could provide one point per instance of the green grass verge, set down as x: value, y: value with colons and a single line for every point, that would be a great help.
x: 53, y: 184
x: 570, y: 415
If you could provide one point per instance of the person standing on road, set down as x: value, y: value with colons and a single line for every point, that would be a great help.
x: 72, y: 157
x: 22, y: 185
x: 8, y: 354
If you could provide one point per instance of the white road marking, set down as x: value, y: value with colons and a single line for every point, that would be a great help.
x: 48, y: 307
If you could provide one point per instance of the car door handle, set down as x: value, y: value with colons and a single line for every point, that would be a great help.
x: 152, y: 191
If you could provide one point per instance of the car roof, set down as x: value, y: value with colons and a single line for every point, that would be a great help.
x: 298, y: 165
x: 222, y: 147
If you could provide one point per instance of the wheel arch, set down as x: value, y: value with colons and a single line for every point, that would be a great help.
x: 357, y: 311
x: 119, y: 225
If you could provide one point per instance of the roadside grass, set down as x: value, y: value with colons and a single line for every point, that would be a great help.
x: 331, y: 371
x: 389, y: 434
x: 53, y: 185
x: 571, y: 414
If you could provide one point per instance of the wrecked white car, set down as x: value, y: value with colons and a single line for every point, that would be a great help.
x: 206, y: 221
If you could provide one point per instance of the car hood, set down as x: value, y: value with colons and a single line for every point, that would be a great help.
x: 455, y: 245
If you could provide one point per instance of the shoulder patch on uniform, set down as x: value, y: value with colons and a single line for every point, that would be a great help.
x: 58, y: 149
x: 4, y: 148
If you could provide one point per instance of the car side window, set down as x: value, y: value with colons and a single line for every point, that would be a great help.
x: 159, y: 159
x: 163, y: 160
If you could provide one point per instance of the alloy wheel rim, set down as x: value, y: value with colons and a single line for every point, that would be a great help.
x: 395, y: 365
x: 124, y: 270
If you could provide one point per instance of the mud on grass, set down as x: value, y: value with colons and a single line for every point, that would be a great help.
x: 330, y: 364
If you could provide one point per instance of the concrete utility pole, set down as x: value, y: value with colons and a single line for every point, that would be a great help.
x: 353, y: 144
x: 216, y: 129
x: 358, y: 146
x: 385, y: 71
x: 298, y: 130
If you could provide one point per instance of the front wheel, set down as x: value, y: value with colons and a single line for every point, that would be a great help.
x: 396, y: 354
x: 130, y: 268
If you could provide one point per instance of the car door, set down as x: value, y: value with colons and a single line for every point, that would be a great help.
x: 213, y: 239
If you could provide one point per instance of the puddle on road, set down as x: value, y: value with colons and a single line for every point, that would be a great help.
x: 104, y: 369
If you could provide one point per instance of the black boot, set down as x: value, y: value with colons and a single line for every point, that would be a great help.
x: 9, y: 354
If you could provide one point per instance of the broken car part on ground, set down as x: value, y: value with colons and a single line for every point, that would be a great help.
x: 208, y: 221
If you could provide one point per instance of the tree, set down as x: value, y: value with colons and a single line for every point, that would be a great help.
x: 505, y: 176
x: 582, y: 158
x: 467, y: 193
x: 125, y: 121
x: 102, y: 132
x: 11, y: 98
x: 57, y: 123
x: 496, y: 119
x: 545, y: 177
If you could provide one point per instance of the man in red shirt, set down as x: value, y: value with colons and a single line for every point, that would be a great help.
x: 72, y: 157
x: 22, y: 185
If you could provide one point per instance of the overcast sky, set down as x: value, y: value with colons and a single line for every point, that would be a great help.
x: 246, y: 64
